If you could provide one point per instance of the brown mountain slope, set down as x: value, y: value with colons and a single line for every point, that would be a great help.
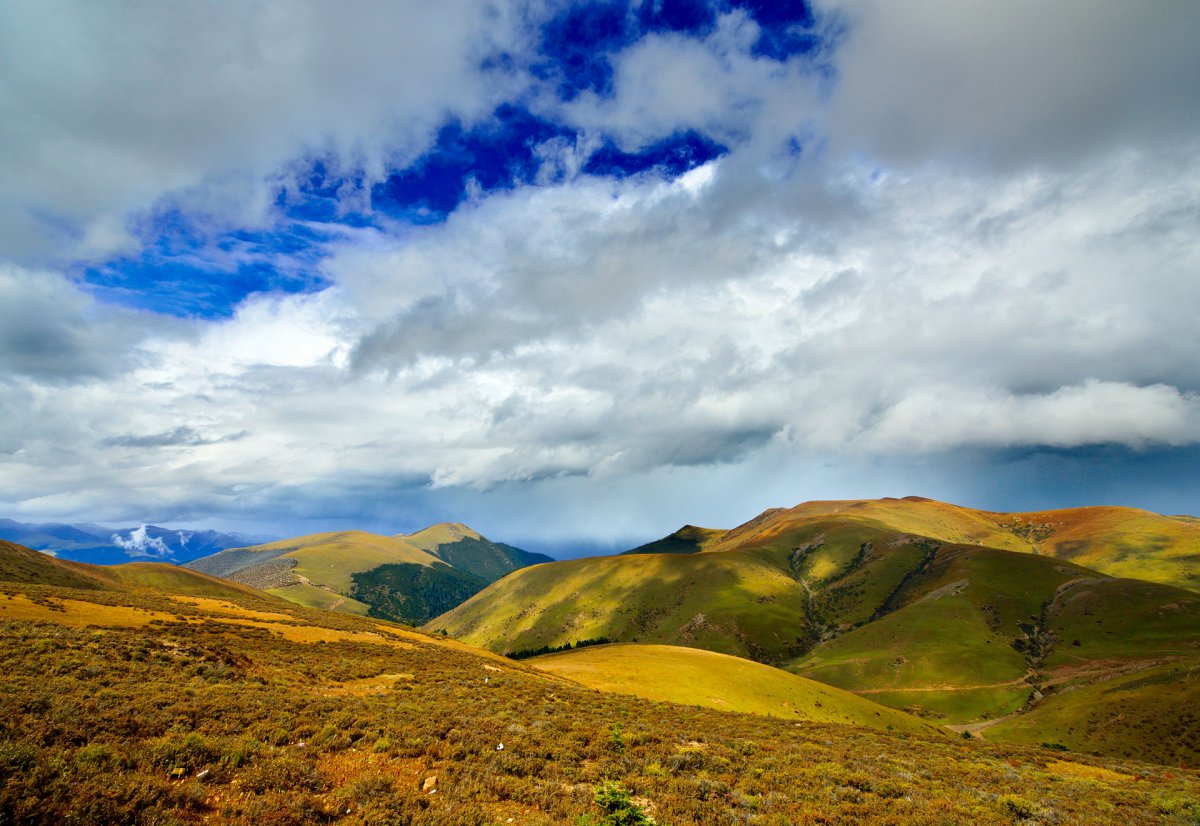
x: 1118, y: 541
x: 142, y: 707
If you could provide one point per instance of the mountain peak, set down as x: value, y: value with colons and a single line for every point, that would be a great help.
x: 443, y: 533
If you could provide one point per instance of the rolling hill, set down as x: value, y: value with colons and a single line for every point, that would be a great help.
x: 1124, y: 542
x: 687, y: 540
x: 852, y: 594
x: 409, y: 578
x: 19, y: 564
x: 469, y: 551
x: 696, y: 677
x: 128, y: 700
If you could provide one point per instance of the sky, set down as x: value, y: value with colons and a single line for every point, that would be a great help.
x: 577, y: 274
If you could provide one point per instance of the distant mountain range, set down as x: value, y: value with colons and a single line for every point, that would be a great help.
x: 409, y: 577
x: 98, y: 545
x: 1078, y: 627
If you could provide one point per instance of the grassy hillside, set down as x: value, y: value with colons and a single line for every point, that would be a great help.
x: 414, y: 593
x: 405, y: 578
x: 312, y: 597
x: 982, y: 633
x: 732, y: 603
x: 1148, y: 714
x: 19, y: 564
x: 704, y: 678
x: 319, y: 570
x: 471, y: 552
x: 953, y: 643
x: 847, y: 594
x: 687, y: 540
x: 326, y: 560
x: 1124, y: 542
x: 138, y: 706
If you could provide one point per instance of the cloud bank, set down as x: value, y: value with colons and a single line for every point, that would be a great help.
x: 932, y: 233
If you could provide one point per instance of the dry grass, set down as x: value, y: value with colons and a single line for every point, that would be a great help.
x: 224, y: 608
x: 207, y: 717
x: 75, y: 613
x: 695, y: 677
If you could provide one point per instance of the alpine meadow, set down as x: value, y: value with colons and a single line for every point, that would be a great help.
x: 599, y: 413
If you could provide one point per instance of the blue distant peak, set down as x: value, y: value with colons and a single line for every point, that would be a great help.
x: 497, y: 154
x: 673, y: 156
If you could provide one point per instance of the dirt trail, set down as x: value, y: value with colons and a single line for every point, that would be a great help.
x: 977, y: 729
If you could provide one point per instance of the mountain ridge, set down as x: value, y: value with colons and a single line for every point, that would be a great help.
x: 404, y: 577
x: 98, y: 545
x: 852, y: 594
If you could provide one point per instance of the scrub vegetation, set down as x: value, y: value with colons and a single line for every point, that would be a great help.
x: 127, y: 704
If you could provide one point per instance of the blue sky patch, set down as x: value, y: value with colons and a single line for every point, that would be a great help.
x: 498, y: 154
x: 692, y: 17
x: 577, y: 44
x: 786, y: 28
x: 672, y: 156
x: 181, y: 272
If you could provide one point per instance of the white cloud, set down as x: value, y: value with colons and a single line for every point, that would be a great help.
x: 108, y: 109
x: 140, y: 544
x: 668, y: 83
x: 1092, y: 413
x: 766, y: 310
x: 52, y: 331
x: 1012, y: 83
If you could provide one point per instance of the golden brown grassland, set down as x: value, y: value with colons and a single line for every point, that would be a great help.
x: 243, y: 709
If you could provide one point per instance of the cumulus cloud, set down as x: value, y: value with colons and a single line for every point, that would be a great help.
x: 110, y: 109
x: 1007, y: 84
x: 797, y: 307
x: 1094, y: 412
x: 52, y: 331
x: 140, y: 544
x: 670, y: 83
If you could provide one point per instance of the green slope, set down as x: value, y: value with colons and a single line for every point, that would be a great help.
x: 848, y: 593
x: 414, y: 594
x: 1147, y: 714
x: 471, y: 552
x: 1125, y: 542
x: 947, y: 644
x: 404, y: 578
x: 704, y: 678
x: 687, y: 540
x: 317, y: 570
x: 21, y: 564
x: 734, y: 603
